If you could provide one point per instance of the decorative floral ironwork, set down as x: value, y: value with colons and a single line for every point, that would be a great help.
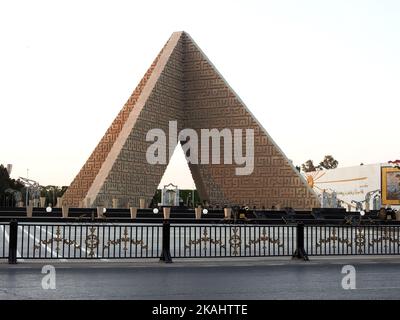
x: 387, y: 236
x: 360, y: 240
x: 334, y: 238
x: 92, y: 241
x: 235, y: 241
x: 58, y: 239
x: 125, y: 240
x: 205, y: 238
x: 264, y: 238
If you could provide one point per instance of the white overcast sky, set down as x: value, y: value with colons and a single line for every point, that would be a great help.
x: 323, y: 77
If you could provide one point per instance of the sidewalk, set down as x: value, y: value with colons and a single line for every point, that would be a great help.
x: 202, y: 262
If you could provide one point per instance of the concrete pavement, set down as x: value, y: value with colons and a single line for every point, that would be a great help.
x: 233, y: 279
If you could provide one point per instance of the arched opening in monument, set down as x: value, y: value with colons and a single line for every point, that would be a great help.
x: 177, y: 176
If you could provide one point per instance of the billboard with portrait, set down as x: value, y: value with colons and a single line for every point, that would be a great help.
x: 390, y: 185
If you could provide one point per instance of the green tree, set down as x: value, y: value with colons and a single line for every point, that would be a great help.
x: 7, y: 183
x: 4, y: 179
x: 52, y: 193
x: 328, y: 163
x: 308, y: 166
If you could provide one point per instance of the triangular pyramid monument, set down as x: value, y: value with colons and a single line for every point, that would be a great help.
x: 182, y: 85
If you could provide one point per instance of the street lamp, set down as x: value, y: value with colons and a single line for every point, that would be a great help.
x: 31, y: 186
x: 362, y: 214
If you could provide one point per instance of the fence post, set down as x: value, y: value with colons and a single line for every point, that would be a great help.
x: 12, y: 242
x: 300, y: 252
x: 166, y: 232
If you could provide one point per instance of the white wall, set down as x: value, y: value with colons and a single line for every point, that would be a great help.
x: 350, y: 183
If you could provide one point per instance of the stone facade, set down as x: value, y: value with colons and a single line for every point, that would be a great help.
x: 183, y: 85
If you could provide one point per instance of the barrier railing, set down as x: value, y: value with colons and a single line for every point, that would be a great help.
x: 232, y: 240
x: 352, y: 240
x: 4, y: 239
x: 86, y: 241
x: 191, y: 240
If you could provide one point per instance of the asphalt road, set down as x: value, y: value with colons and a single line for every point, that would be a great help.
x: 258, y: 279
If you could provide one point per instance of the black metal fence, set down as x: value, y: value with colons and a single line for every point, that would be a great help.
x: 352, y: 240
x: 196, y: 241
x: 86, y: 241
x: 191, y: 240
x: 4, y: 239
